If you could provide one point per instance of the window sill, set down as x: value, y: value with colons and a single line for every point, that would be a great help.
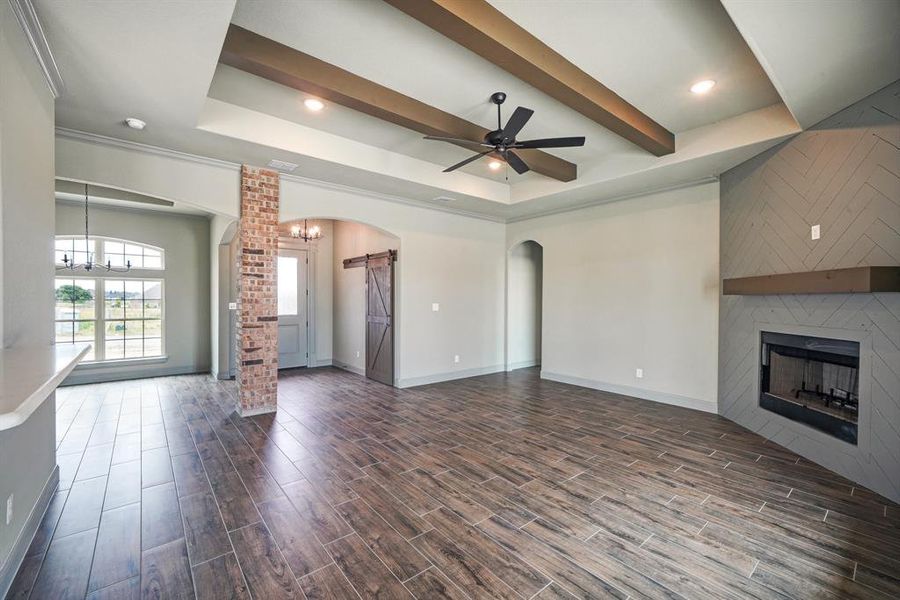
x: 125, y: 362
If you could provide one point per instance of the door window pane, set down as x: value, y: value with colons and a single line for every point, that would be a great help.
x: 287, y: 285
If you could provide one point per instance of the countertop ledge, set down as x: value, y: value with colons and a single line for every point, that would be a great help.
x: 28, y: 375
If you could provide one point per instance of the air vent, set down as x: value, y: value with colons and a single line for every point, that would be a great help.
x: 280, y: 165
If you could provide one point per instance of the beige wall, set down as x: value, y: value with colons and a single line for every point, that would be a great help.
x: 185, y: 239
x: 633, y: 284
x: 349, y: 317
x: 27, y: 457
x: 523, y: 321
x: 458, y: 262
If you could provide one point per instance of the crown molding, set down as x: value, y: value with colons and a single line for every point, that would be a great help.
x: 102, y: 140
x: 34, y: 33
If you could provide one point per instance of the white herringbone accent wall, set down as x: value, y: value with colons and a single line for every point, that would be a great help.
x: 843, y: 174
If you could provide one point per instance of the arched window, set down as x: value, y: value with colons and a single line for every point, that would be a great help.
x: 121, y: 314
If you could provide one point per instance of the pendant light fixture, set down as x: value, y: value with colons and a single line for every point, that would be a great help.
x: 89, y: 264
x: 306, y: 233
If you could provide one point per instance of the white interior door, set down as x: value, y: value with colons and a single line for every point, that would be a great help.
x: 292, y: 309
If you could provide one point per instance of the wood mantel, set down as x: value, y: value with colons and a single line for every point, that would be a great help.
x: 860, y: 280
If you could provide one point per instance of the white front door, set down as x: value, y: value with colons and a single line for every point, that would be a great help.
x: 292, y: 309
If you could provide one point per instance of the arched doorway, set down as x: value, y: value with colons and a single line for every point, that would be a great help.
x: 525, y: 280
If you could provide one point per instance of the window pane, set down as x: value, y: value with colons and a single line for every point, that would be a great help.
x: 152, y: 290
x: 153, y: 328
x: 64, y: 245
x: 114, y: 350
x: 113, y: 248
x: 115, y: 330
x: 287, y: 285
x: 134, y: 289
x: 134, y: 329
x: 60, y: 255
x: 65, y: 332
x: 115, y: 289
x: 134, y: 348
x: 115, y: 309
x: 84, y: 331
x: 134, y: 249
x: 152, y: 347
x: 148, y: 252
x: 153, y: 309
x: 115, y: 260
x: 152, y: 262
x: 134, y: 309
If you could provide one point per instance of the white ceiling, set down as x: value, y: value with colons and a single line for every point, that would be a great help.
x: 822, y: 56
x: 158, y: 61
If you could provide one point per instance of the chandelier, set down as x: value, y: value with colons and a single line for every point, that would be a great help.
x: 89, y: 264
x: 306, y: 233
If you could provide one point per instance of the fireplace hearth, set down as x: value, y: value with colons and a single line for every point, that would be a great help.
x: 811, y: 380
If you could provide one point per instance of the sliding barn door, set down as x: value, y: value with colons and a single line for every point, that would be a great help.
x: 379, y: 320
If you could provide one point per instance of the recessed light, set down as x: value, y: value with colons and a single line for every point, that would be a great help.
x: 701, y: 87
x: 314, y: 104
x: 494, y: 165
x: 135, y: 123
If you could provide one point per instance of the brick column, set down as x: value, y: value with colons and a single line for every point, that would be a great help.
x: 257, y: 322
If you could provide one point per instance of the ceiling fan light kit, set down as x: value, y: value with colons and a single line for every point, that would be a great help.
x: 501, y: 143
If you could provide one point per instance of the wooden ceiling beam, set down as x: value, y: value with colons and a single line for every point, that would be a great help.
x: 478, y: 26
x: 261, y: 56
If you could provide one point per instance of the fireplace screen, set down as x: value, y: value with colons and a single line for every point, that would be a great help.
x: 811, y: 380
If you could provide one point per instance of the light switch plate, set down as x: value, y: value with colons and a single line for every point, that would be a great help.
x: 456, y: 358
x: 435, y: 307
x: 9, y: 509
x: 815, y: 232
x: 639, y: 373
x: 232, y: 306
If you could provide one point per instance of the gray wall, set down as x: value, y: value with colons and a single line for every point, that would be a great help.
x: 524, y: 286
x: 27, y: 458
x: 186, y: 241
x: 843, y: 174
x: 628, y: 285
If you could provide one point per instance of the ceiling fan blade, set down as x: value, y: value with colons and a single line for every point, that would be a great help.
x: 516, y: 122
x: 472, y: 158
x: 458, y: 141
x: 563, y: 142
x: 516, y: 162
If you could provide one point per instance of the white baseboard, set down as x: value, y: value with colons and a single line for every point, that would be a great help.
x: 126, y: 373
x: 627, y: 390
x: 346, y: 367
x: 450, y: 376
x: 527, y: 364
x: 324, y: 362
x: 23, y: 541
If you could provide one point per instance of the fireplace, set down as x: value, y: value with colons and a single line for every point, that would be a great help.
x: 811, y: 380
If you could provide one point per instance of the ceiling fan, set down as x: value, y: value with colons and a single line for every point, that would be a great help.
x: 501, y: 143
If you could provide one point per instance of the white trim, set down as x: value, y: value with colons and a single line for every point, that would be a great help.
x: 709, y: 406
x: 449, y: 376
x: 34, y: 33
x: 104, y: 376
x: 29, y: 530
x: 348, y: 367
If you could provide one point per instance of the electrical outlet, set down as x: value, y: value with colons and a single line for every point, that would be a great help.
x: 456, y: 358
x: 815, y: 231
x: 9, y: 509
x: 435, y: 307
x: 357, y: 354
x: 232, y: 306
x: 639, y: 373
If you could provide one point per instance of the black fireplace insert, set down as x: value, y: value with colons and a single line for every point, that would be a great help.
x: 812, y: 380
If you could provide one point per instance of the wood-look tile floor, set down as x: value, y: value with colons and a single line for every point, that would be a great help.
x: 502, y: 486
